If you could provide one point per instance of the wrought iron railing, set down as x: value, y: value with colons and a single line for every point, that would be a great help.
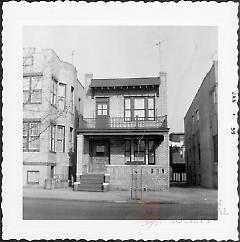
x: 106, y: 122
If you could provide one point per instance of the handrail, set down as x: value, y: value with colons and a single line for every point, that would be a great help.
x: 106, y: 122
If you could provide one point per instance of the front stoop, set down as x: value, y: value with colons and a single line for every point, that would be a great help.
x: 92, y: 182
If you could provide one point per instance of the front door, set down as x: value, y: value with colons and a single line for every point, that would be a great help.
x: 99, y: 156
x: 102, y: 113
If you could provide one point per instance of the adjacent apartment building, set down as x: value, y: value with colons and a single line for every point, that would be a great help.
x: 52, y: 101
x: 177, y: 158
x: 201, y: 133
x: 123, y: 134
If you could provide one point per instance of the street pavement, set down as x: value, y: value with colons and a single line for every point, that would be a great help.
x: 177, y: 203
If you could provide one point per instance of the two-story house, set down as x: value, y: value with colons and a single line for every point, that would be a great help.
x: 124, y: 134
x: 51, y: 102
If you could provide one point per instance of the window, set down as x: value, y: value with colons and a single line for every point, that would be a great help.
x: 100, y: 150
x: 60, y: 138
x: 31, y: 135
x: 32, y: 90
x: 27, y: 60
x: 139, y: 151
x: 197, y: 115
x: 61, y: 96
x: 72, y: 100
x: 33, y: 177
x: 127, y: 109
x: 102, y: 106
x: 71, y: 139
x: 150, y: 108
x: 128, y: 151
x: 53, y: 100
x: 141, y: 107
x: 151, y: 152
x: 53, y: 138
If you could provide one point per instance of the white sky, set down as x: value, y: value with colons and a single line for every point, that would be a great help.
x: 131, y: 51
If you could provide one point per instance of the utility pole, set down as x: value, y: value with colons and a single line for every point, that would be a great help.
x: 158, y: 44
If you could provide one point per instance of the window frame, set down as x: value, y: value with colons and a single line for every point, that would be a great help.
x: 53, y: 93
x: 60, y: 98
x: 102, y: 101
x: 53, y: 138
x: 32, y: 182
x: 61, y: 139
x: 31, y: 90
x: 27, y: 134
x: 135, y: 150
x: 128, y: 151
x: 146, y: 108
x: 72, y: 99
x: 152, y: 151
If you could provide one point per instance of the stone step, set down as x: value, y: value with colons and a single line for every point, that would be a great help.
x: 99, y: 185
x: 90, y: 189
x: 91, y: 181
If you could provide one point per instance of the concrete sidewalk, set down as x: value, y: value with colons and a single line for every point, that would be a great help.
x: 174, y: 195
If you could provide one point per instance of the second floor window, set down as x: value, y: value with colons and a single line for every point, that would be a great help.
x: 60, y: 138
x: 32, y: 89
x: 53, y: 99
x: 53, y: 138
x: 61, y: 96
x: 141, y: 107
x: 31, y: 135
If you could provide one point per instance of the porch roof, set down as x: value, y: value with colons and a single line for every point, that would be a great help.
x: 121, y: 82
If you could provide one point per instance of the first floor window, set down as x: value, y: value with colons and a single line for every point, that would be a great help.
x: 151, y: 152
x: 139, y: 151
x: 60, y: 138
x: 31, y: 135
x: 53, y: 138
x: 33, y: 177
x: 127, y: 151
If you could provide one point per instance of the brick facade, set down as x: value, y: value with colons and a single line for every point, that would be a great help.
x: 107, y: 143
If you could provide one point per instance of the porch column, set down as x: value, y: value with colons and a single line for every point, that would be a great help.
x: 79, y: 156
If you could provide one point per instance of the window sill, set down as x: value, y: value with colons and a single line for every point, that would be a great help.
x: 54, y: 152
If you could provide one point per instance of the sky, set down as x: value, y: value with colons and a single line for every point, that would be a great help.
x: 186, y: 53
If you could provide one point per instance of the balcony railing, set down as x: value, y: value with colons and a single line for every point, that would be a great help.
x: 105, y: 122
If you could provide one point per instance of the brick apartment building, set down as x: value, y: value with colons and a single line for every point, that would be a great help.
x: 177, y: 158
x: 51, y: 102
x: 201, y: 133
x: 123, y: 134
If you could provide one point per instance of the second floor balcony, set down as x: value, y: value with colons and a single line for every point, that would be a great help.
x: 110, y: 123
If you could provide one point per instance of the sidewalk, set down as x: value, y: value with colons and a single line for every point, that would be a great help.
x: 174, y: 195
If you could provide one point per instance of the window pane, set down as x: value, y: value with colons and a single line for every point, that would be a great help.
x: 151, y: 158
x: 60, y: 132
x: 139, y: 156
x: 104, y: 112
x: 151, y: 145
x: 151, y: 113
x: 104, y: 106
x: 36, y: 96
x: 26, y: 83
x: 34, y: 129
x: 99, y: 112
x: 150, y: 103
x: 36, y: 83
x: 34, y: 142
x: 62, y: 90
x: 127, y: 103
x: 128, y: 113
x: 139, y: 113
x: 139, y: 103
x: 33, y: 176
